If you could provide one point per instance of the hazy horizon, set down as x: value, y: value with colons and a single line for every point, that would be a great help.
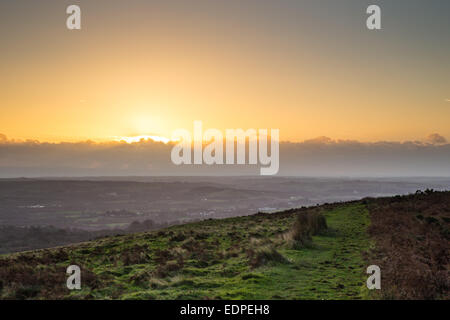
x: 321, y: 157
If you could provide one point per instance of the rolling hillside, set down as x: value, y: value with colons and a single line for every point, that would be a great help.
x: 255, y: 257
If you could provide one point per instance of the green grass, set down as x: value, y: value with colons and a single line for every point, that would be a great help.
x: 210, y: 259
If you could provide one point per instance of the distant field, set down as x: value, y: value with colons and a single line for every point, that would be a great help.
x: 250, y: 258
x: 107, y: 202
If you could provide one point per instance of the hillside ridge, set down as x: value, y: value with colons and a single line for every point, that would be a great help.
x: 252, y: 257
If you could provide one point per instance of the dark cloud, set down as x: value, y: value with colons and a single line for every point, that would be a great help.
x: 436, y: 138
x: 320, y: 140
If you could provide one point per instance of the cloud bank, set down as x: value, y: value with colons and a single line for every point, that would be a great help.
x: 322, y: 156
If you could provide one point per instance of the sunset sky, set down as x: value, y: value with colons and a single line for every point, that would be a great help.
x: 308, y: 68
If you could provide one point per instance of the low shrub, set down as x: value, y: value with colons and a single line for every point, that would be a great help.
x: 306, y: 225
x: 264, y: 255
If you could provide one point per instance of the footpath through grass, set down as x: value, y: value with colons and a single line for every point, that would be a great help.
x: 332, y: 268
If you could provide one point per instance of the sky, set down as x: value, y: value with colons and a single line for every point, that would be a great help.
x: 347, y: 101
x: 308, y: 68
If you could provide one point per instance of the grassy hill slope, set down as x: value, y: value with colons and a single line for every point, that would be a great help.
x: 248, y: 257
